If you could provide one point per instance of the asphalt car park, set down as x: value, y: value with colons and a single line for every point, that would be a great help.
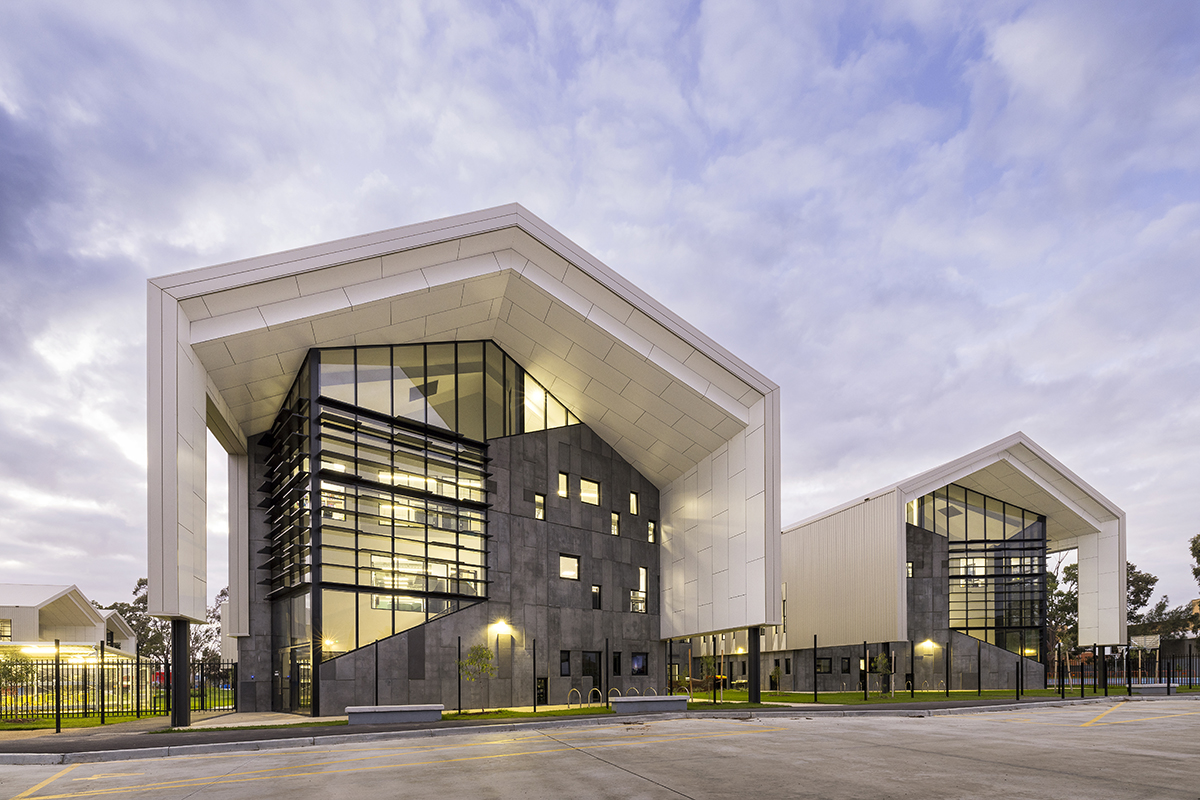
x: 1127, y: 749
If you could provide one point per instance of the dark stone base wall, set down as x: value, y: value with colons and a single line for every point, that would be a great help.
x: 928, y: 665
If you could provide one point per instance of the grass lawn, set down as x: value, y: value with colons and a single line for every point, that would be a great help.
x: 43, y: 723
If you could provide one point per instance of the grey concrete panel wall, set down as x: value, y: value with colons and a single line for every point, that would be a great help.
x: 928, y: 598
x: 255, y: 650
x: 526, y: 592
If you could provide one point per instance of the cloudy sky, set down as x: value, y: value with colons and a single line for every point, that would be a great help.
x: 932, y: 223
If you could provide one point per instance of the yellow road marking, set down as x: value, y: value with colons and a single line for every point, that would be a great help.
x: 103, y: 775
x: 250, y: 776
x: 46, y: 782
x: 1100, y: 716
x: 1151, y: 719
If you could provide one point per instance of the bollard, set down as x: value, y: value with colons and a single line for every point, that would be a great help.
x: 57, y: 688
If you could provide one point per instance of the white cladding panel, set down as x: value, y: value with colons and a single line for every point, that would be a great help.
x: 844, y: 575
x: 1102, y: 603
x: 720, y: 541
x: 235, y: 614
x: 176, y: 479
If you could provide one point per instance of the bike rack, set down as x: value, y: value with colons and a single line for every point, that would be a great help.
x: 575, y: 691
x: 599, y: 696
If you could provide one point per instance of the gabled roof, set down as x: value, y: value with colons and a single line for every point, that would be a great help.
x: 1017, y: 470
x: 114, y: 620
x: 57, y: 605
x: 31, y: 595
x: 659, y: 391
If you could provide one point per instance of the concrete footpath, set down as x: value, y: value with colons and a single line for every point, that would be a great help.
x: 232, y: 732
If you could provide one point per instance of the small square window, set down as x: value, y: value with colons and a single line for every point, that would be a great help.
x: 564, y: 663
x: 639, y: 664
x: 615, y: 527
x: 5, y: 630
x: 589, y: 492
x: 633, y: 503
x: 539, y: 506
x: 568, y: 567
x: 824, y: 666
x: 563, y: 484
x: 616, y: 663
x: 908, y: 565
x: 595, y: 597
x: 650, y: 531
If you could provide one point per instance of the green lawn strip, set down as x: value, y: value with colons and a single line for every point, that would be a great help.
x: 43, y: 723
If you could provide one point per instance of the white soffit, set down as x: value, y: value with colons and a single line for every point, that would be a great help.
x: 659, y: 391
x: 1018, y: 471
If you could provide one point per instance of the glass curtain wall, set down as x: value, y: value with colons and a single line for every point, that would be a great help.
x: 997, y: 564
x: 392, y: 456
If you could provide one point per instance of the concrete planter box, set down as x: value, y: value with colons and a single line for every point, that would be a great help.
x: 1155, y: 688
x: 365, y: 715
x: 649, y: 705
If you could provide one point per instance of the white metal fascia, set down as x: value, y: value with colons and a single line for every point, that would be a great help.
x: 924, y: 482
x: 231, y: 275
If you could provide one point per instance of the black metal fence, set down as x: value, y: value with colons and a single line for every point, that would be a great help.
x: 1140, y: 669
x: 116, y: 688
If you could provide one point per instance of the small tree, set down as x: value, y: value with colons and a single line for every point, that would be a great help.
x: 881, y: 666
x: 477, y: 665
x: 15, y: 671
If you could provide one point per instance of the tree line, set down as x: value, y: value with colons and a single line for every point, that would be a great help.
x: 1162, y: 619
x: 154, y: 634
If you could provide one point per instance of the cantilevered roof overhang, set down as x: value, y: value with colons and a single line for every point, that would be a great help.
x: 659, y: 391
x: 225, y: 343
x: 1018, y: 471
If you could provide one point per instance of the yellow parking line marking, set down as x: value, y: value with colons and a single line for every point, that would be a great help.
x: 1151, y: 719
x: 46, y: 782
x: 247, y: 777
x: 1100, y: 716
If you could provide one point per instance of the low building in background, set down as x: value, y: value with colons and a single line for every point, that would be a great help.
x: 32, y: 616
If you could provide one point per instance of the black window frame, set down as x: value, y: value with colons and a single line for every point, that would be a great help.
x: 824, y: 665
x: 564, y: 663
x: 644, y: 669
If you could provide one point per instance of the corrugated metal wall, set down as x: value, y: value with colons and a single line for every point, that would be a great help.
x: 844, y: 574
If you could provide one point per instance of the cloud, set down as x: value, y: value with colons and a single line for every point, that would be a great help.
x: 932, y: 224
